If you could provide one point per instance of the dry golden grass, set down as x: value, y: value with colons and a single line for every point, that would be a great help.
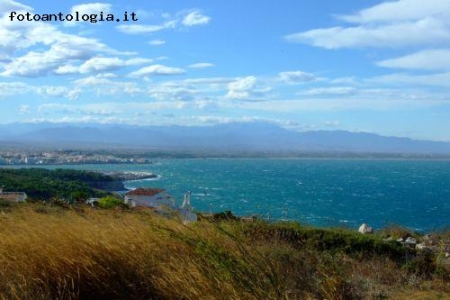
x: 54, y: 253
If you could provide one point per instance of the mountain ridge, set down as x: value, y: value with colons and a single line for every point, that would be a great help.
x: 256, y: 136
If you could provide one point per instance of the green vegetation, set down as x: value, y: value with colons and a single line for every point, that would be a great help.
x: 44, y: 184
x: 110, y: 202
x: 50, y: 252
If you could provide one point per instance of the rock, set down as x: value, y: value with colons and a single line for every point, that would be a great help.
x: 424, y: 248
x: 364, y: 229
x: 430, y: 239
x: 389, y: 239
x: 411, y: 241
x: 400, y: 240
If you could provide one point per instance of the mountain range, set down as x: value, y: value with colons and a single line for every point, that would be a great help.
x: 230, y: 137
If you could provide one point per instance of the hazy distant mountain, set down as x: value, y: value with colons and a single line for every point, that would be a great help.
x: 258, y: 136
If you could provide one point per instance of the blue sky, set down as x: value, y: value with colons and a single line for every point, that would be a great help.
x: 373, y: 66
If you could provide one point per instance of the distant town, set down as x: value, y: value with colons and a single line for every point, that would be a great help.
x: 67, y: 157
x: 35, y: 157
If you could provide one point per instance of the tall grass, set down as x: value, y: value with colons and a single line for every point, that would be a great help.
x: 55, y: 253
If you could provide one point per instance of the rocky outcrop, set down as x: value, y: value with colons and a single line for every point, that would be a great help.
x: 365, y: 229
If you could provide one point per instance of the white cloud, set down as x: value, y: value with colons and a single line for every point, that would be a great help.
x: 53, y: 91
x: 92, y: 8
x: 20, y: 35
x: 13, y: 88
x: 140, y: 29
x: 436, y: 59
x: 172, y: 93
x: 66, y: 69
x: 24, y: 109
x: 9, y: 5
x: 157, y: 70
x: 332, y: 123
x: 296, y: 77
x: 201, y: 66
x: 89, y: 8
x: 73, y: 94
x: 339, y: 91
x: 93, y: 81
x: 156, y: 42
x: 209, y: 81
x: 195, y: 18
x: 90, y: 109
x: 402, y: 23
x: 402, y: 10
x: 181, y: 19
x: 438, y: 79
x: 100, y: 64
x: 59, y: 92
x: 241, y: 88
x: 102, y: 84
x: 419, y: 33
x: 64, y: 49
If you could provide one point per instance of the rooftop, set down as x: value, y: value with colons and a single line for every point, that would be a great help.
x: 144, y: 192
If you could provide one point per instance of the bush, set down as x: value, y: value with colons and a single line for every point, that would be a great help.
x: 110, y: 202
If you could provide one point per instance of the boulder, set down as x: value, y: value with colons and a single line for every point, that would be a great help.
x: 365, y: 229
x: 411, y: 241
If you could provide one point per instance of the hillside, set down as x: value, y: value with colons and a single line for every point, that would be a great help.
x: 44, y: 184
x: 47, y: 252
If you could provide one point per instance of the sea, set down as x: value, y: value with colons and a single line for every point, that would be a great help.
x: 320, y: 192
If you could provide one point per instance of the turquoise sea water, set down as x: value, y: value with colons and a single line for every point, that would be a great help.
x: 415, y: 194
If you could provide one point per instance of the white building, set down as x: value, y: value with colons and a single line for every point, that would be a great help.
x: 13, y: 196
x: 149, y: 197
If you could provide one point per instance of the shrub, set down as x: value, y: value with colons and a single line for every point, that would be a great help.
x: 110, y: 202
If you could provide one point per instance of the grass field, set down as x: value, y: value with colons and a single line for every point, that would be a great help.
x: 49, y: 252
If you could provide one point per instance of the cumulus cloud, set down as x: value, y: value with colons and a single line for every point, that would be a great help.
x: 62, y: 49
x: 35, y: 64
x: 245, y: 89
x: 157, y: 70
x: 401, y: 23
x: 195, y: 18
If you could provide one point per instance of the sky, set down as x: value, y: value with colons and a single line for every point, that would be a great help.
x: 363, y: 66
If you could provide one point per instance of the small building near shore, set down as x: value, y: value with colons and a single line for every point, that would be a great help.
x: 149, y: 197
x: 13, y: 196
